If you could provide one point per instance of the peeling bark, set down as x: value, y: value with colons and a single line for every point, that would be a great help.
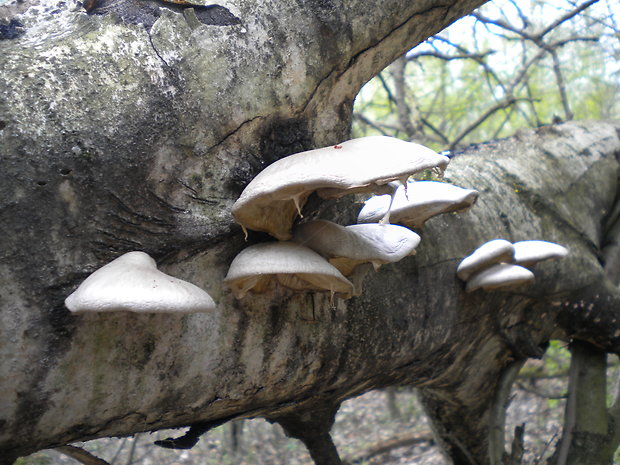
x: 119, y: 137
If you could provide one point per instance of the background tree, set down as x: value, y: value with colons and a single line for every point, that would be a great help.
x: 507, y: 66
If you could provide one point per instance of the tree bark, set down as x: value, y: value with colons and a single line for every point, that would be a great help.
x: 117, y: 136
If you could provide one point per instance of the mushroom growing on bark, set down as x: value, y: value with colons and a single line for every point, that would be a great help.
x: 499, y: 275
x: 497, y: 263
x: 353, y: 248
x: 132, y: 283
x: 346, y: 247
x: 528, y: 253
x: 274, y: 198
x: 289, y: 264
x: 412, y: 205
x: 489, y: 253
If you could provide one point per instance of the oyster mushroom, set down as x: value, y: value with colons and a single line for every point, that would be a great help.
x: 274, y: 198
x: 499, y: 275
x: 489, y: 253
x: 346, y: 247
x: 527, y: 253
x: 414, y: 205
x: 132, y: 283
x: 292, y: 265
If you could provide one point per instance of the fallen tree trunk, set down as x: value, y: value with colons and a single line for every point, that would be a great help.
x: 117, y: 137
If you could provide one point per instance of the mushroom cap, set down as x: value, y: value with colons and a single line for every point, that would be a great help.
x: 346, y: 247
x: 499, y: 275
x: 421, y: 200
x: 489, y: 253
x: 528, y: 253
x: 292, y: 265
x: 132, y: 283
x: 272, y: 200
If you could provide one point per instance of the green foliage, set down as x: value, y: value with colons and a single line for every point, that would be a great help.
x: 557, y: 359
x: 490, y: 74
x: 40, y: 458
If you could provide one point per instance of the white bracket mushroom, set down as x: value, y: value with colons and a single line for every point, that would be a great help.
x: 132, y: 283
x: 412, y: 205
x: 488, y: 254
x: 528, y: 253
x: 499, y: 275
x: 291, y: 265
x: 347, y: 247
x: 497, y: 263
x: 275, y: 197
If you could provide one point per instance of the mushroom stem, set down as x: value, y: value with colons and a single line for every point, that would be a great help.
x: 404, y: 183
x: 386, y: 217
x: 297, y: 206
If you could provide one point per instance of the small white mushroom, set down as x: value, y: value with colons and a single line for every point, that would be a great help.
x: 132, y: 283
x: 274, y: 198
x: 501, y: 275
x: 489, y: 253
x: 419, y: 201
x: 346, y: 247
x: 289, y: 264
x: 527, y: 253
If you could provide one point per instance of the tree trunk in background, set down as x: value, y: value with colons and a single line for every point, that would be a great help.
x: 117, y: 137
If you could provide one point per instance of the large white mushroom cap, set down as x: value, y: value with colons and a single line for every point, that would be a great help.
x: 275, y: 196
x: 489, y: 253
x: 132, y: 283
x: 349, y: 246
x: 291, y: 265
x: 500, y: 275
x: 528, y: 253
x: 419, y: 202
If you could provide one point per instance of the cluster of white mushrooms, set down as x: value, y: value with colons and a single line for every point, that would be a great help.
x: 500, y: 264
x: 320, y: 255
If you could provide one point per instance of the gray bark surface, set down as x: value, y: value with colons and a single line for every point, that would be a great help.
x: 117, y: 137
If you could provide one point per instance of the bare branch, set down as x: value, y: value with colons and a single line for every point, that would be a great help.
x: 402, y: 108
x: 404, y: 440
x: 386, y: 130
x: 568, y: 114
x: 501, y: 401
x: 566, y: 17
x: 445, y: 57
x: 505, y: 103
x: 81, y: 455
x: 586, y: 423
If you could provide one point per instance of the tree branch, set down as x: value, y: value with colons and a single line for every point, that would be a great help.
x: 585, y: 423
x: 382, y: 447
x: 81, y: 455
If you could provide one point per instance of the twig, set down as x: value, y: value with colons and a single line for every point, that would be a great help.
x: 382, y: 447
x: 502, y: 104
x: 567, y: 16
x: 81, y: 455
x: 497, y: 420
x: 364, y: 120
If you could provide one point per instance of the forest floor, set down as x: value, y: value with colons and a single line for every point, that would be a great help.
x: 380, y: 427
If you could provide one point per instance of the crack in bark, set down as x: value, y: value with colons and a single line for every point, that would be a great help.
x: 166, y: 64
x: 233, y: 132
x: 194, y: 194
